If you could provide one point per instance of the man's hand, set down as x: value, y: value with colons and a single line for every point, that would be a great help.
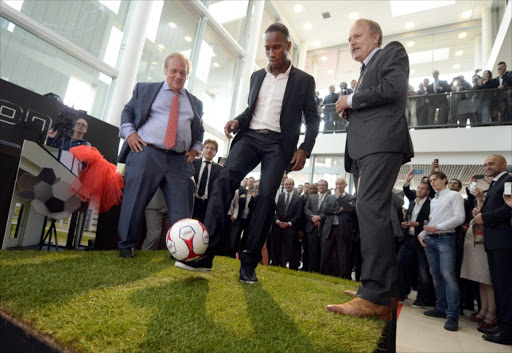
x: 478, y: 218
x: 414, y: 224
x: 135, y: 142
x: 230, y: 126
x: 501, y: 86
x: 439, y: 88
x: 298, y: 160
x: 508, y: 200
x: 191, y: 155
x: 315, y: 218
x: 478, y: 193
x: 420, y: 239
x: 405, y: 225
x: 233, y: 219
x: 341, y: 105
x: 430, y: 229
x: 409, y: 176
x: 52, y: 133
x: 434, y: 166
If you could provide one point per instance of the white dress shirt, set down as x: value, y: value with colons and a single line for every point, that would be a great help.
x: 201, y: 171
x: 418, y: 204
x: 267, y: 112
x: 446, y: 212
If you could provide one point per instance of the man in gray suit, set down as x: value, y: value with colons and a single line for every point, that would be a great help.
x: 378, y: 143
x: 315, y: 217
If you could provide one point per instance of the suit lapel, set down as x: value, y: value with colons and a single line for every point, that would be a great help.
x: 153, y: 90
x: 366, y: 69
x: 257, y: 85
x: 289, y: 87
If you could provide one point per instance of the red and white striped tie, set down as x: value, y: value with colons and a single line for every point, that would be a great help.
x: 172, y: 123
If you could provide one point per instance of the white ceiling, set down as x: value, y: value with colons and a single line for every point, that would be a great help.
x: 334, y: 31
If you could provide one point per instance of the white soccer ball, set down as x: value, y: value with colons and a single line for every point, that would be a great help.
x: 187, y: 239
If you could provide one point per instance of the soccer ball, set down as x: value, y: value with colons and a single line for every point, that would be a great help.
x: 187, y: 239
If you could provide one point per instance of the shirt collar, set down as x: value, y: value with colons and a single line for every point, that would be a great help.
x: 285, y: 74
x: 499, y: 176
x: 420, y: 202
x: 369, y: 57
x: 438, y: 194
x: 167, y: 88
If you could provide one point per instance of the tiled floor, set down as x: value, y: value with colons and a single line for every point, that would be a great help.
x: 419, y: 333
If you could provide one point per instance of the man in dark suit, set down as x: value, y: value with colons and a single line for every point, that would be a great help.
x: 206, y: 173
x: 495, y: 217
x: 330, y: 115
x: 437, y: 89
x: 505, y: 81
x: 315, y: 218
x: 268, y: 132
x: 163, y: 133
x: 336, y: 247
x: 378, y: 143
x: 285, y: 231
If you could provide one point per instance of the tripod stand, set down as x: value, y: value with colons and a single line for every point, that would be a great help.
x: 52, y: 231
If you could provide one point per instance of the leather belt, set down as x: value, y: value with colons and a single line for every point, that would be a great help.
x: 171, y: 152
x: 437, y: 235
x: 266, y: 132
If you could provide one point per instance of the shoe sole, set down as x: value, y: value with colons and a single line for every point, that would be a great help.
x: 248, y: 282
x: 190, y: 268
x: 417, y: 306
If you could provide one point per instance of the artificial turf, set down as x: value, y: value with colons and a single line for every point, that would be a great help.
x: 91, y: 301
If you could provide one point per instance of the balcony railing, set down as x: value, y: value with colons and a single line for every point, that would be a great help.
x: 456, y: 109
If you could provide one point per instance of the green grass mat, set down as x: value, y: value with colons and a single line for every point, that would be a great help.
x: 98, y: 302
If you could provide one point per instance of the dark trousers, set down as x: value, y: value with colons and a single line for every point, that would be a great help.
x: 376, y: 175
x: 200, y: 206
x: 145, y: 172
x: 500, y: 266
x: 335, y: 253
x: 313, y: 249
x: 285, y: 247
x: 250, y: 149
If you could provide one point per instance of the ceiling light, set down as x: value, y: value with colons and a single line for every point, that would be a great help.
x: 150, y: 78
x: 315, y: 43
x: 172, y: 24
x: 298, y: 8
x: 410, y: 43
x: 323, y: 58
x: 353, y: 15
x: 161, y: 46
x: 463, y: 35
x: 154, y: 63
x: 215, y: 64
x: 459, y: 52
x: 466, y: 14
x: 409, y: 25
x: 187, y: 39
x: 308, y: 26
x: 330, y: 71
x: 456, y: 66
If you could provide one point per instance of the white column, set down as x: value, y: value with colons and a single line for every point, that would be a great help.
x: 477, y: 59
x: 252, y: 50
x: 303, y: 51
x: 486, y: 34
x: 137, y: 23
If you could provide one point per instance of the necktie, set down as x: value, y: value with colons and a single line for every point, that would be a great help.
x: 362, y: 68
x: 204, y: 179
x: 490, y: 186
x: 287, y: 202
x: 320, y: 200
x: 172, y: 123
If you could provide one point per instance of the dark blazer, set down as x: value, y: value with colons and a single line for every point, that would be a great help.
x: 422, y: 215
x: 332, y: 207
x: 378, y: 122
x: 496, y: 216
x: 214, y: 172
x: 331, y: 98
x: 445, y: 87
x: 507, y: 79
x: 489, y: 84
x: 299, y: 100
x: 295, y: 210
x: 136, y: 111
x: 311, y: 209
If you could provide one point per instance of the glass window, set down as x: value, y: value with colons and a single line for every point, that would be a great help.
x: 36, y: 65
x: 266, y: 21
x: 88, y: 24
x: 214, y: 79
x: 231, y: 15
x: 176, y: 31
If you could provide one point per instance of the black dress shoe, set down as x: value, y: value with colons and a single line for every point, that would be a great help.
x: 498, y: 338
x: 127, y: 252
x: 489, y: 330
x: 435, y: 313
x: 248, y: 275
x: 203, y: 264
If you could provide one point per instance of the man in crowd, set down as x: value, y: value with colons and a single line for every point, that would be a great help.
x: 206, y: 171
x: 438, y: 88
x: 267, y: 132
x: 163, y: 133
x: 315, y: 218
x: 505, y: 81
x: 330, y: 115
x: 375, y: 150
x: 285, y: 231
x: 438, y: 239
x: 496, y: 218
x: 66, y: 143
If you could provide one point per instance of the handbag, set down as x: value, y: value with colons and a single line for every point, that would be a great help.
x: 478, y: 232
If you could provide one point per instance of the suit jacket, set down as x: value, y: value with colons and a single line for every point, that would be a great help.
x: 136, y: 111
x: 445, y: 87
x: 298, y: 100
x: 496, y: 216
x: 422, y: 215
x: 295, y: 210
x: 378, y: 122
x: 311, y: 209
x: 331, y: 98
x: 507, y: 79
x: 214, y: 172
x: 332, y: 207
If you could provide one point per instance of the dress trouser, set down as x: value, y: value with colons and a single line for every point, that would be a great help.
x: 250, y: 149
x: 145, y: 172
x: 375, y: 175
x: 500, y: 266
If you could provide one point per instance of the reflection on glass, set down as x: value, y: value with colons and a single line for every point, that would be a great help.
x: 231, y: 15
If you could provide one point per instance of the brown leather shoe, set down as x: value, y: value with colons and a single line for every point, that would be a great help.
x: 350, y: 293
x: 362, y: 308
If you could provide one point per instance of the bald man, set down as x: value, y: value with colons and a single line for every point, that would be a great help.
x: 437, y: 88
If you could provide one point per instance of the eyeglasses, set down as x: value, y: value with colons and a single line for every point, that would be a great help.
x: 81, y: 124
